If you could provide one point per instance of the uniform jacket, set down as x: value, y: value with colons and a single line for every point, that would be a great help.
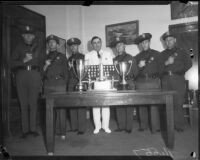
x: 58, y: 68
x: 151, y: 58
x: 20, y: 53
x: 182, y: 61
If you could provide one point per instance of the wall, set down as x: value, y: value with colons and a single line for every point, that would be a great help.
x: 74, y: 20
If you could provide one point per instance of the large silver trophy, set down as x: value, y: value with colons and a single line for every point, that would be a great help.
x: 80, y: 70
x: 123, y: 71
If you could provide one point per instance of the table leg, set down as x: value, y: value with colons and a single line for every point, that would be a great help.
x: 49, y: 126
x: 170, y: 121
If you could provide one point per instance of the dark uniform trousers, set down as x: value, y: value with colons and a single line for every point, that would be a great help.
x: 77, y: 115
x: 125, y: 113
x: 149, y: 114
x: 28, y: 88
x: 60, y: 114
x: 177, y: 83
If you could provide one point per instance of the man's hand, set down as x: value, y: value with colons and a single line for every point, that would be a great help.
x: 170, y: 60
x: 141, y: 63
x: 47, y: 62
x: 28, y: 57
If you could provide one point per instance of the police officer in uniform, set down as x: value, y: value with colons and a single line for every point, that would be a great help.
x: 77, y: 115
x: 174, y: 63
x: 28, y: 59
x: 125, y: 113
x: 147, y: 79
x: 56, y: 78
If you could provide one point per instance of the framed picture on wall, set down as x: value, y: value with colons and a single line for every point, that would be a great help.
x: 182, y: 10
x: 61, y: 47
x: 127, y: 30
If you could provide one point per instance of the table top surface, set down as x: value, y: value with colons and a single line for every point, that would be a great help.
x: 108, y: 93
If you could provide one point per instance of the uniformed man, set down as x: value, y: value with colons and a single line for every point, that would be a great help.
x: 147, y: 79
x: 125, y: 113
x: 28, y: 58
x: 174, y: 63
x: 77, y: 115
x: 56, y: 78
x: 95, y: 57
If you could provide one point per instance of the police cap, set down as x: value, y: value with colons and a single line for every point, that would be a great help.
x: 167, y: 34
x: 118, y: 40
x: 27, y: 29
x: 72, y: 41
x: 53, y: 37
x: 143, y: 37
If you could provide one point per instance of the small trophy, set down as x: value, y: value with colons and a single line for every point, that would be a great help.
x: 80, y: 70
x: 124, y: 69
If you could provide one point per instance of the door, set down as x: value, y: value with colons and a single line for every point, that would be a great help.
x: 13, y: 18
x: 187, y: 38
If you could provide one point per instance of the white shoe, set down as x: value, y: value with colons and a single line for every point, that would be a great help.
x: 96, y: 131
x: 107, y: 130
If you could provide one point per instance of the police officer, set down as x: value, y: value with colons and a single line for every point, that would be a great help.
x: 77, y: 115
x: 56, y: 77
x: 27, y: 59
x: 147, y: 79
x: 125, y: 113
x: 174, y: 63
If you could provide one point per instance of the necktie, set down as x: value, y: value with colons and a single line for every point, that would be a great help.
x: 99, y: 56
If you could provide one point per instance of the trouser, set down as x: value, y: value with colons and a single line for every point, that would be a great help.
x: 60, y: 113
x: 144, y: 115
x: 176, y: 83
x: 105, y: 117
x: 28, y: 87
x: 78, y: 119
x: 124, y: 117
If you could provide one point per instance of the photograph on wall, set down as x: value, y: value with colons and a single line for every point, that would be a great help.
x: 127, y: 30
x: 182, y: 10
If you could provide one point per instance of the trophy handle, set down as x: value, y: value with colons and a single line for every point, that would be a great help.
x: 115, y: 64
x: 130, y: 67
x: 74, y: 69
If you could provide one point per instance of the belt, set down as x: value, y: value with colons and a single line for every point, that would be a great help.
x: 29, y: 68
x: 153, y: 76
x: 170, y: 73
x: 55, y: 77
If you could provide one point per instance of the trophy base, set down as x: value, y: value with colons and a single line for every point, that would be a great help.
x: 123, y: 87
x: 80, y: 87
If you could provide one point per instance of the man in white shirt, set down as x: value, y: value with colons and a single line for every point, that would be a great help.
x: 95, y: 57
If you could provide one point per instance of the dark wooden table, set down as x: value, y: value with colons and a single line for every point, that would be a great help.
x: 105, y: 98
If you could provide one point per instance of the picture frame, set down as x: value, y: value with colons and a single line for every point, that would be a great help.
x: 183, y: 10
x: 127, y: 30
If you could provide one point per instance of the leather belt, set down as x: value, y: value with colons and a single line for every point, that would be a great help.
x: 55, y: 77
x: 29, y: 68
x: 153, y: 76
x: 170, y: 73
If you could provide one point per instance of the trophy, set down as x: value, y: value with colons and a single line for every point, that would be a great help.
x: 124, y: 69
x: 80, y: 70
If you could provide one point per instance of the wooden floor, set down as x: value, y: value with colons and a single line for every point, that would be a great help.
x: 136, y: 143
